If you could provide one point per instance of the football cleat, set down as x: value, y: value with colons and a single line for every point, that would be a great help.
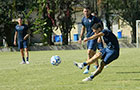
x: 79, y: 65
x: 27, y: 62
x: 87, y: 79
x: 23, y: 62
x: 86, y: 71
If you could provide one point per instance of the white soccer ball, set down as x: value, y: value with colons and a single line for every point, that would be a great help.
x: 55, y: 60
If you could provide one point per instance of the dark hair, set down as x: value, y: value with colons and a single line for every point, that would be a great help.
x: 97, y: 26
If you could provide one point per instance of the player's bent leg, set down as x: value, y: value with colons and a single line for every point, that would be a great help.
x: 91, y: 53
x: 96, y: 64
x: 94, y: 58
x: 97, y: 72
x: 90, y: 61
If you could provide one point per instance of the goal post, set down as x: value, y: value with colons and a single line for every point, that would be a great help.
x: 137, y: 33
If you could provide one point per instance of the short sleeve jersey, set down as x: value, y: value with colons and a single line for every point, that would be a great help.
x: 110, y: 39
x: 22, y: 31
x: 88, y: 23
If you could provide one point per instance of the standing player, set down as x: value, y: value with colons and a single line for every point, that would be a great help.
x: 88, y: 21
x: 22, y: 35
x: 108, y: 54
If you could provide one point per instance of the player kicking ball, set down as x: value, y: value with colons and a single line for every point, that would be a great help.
x: 107, y: 55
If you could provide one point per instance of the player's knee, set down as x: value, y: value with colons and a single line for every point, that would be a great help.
x: 26, y: 49
x: 98, y: 54
x: 21, y: 50
x: 91, y: 52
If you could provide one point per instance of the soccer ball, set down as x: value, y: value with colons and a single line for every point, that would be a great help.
x: 55, y: 60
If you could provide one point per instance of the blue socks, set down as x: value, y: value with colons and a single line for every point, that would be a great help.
x: 96, y: 67
x: 23, y: 59
x: 92, y: 76
x: 27, y: 59
x: 88, y: 67
x: 84, y: 63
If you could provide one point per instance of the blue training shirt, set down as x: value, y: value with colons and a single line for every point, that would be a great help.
x: 110, y: 39
x: 88, y: 23
x: 22, y: 31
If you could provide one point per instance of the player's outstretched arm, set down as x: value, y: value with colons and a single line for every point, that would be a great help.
x: 94, y: 36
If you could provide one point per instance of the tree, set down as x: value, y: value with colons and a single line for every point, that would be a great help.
x: 129, y: 10
x: 45, y: 20
x: 49, y: 13
x: 52, y: 11
x: 65, y: 17
x: 6, y: 21
x: 92, y: 4
x: 107, y: 12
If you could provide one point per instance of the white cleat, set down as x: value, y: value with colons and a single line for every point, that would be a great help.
x: 86, y: 71
x: 87, y: 79
x: 106, y: 66
x: 93, y: 73
x: 27, y: 62
x: 79, y: 65
x: 23, y: 62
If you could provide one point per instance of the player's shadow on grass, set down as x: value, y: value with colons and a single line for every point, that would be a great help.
x: 124, y: 80
x: 124, y: 66
x: 138, y: 72
x: 135, y: 79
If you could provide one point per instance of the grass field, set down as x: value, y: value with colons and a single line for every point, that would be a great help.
x: 122, y: 74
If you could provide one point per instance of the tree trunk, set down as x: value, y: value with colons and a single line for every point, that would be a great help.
x: 107, y: 17
x: 133, y: 34
x: 107, y: 21
x: 64, y: 38
x: 49, y: 37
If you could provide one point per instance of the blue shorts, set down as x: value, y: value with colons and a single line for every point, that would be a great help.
x: 92, y: 44
x: 100, y: 46
x: 22, y: 44
x: 109, y: 55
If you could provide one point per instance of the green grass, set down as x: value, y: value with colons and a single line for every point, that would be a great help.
x: 122, y: 74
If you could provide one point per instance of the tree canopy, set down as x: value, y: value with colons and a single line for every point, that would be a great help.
x: 61, y: 14
x: 129, y: 10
